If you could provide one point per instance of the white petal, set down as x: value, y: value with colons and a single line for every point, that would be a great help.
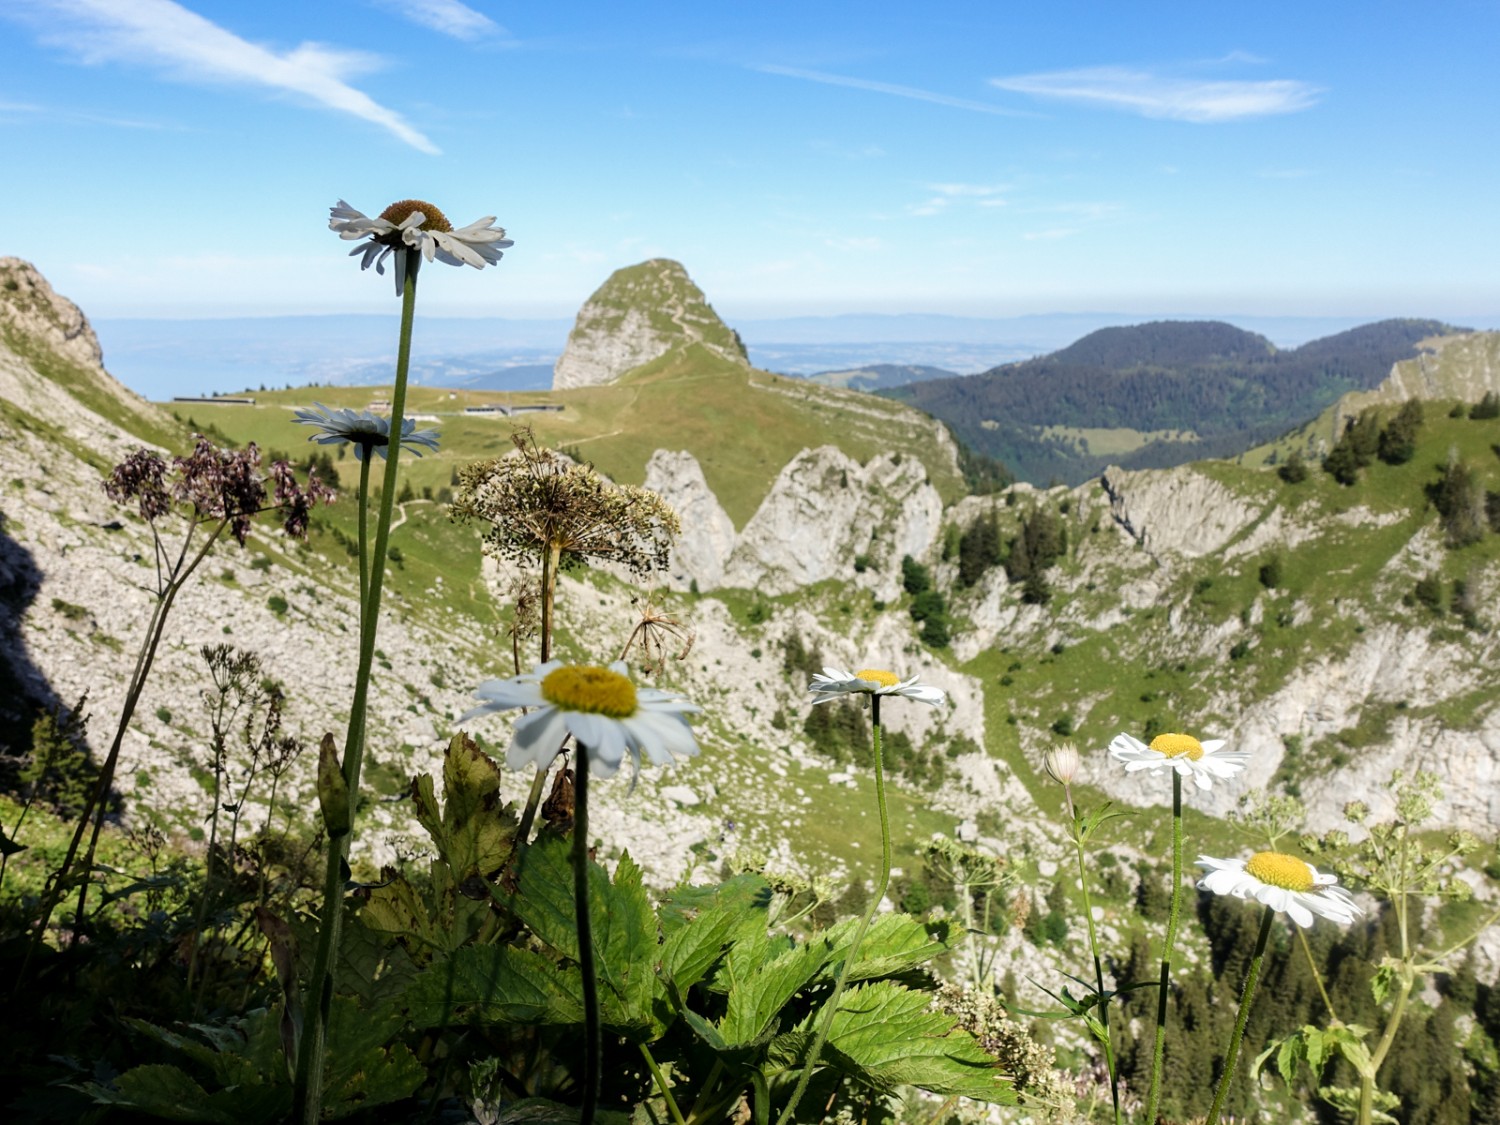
x: 1299, y: 913
x: 537, y: 738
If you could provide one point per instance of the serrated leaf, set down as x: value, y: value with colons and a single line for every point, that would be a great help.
x: 495, y: 984
x: 757, y: 1000
x: 1317, y: 1049
x: 1293, y: 1050
x: 888, y: 1036
x: 473, y: 832
x: 168, y: 1093
x: 893, y: 943
x: 625, y: 949
x: 1381, y: 981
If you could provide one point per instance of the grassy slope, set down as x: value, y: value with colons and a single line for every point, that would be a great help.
x: 1334, y: 587
x: 742, y: 425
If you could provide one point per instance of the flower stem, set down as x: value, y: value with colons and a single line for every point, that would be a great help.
x: 661, y: 1084
x: 1154, y: 1097
x: 1251, y: 979
x: 364, y: 534
x: 830, y: 1009
x: 311, y: 1055
x: 1104, y: 1040
x: 592, y: 1032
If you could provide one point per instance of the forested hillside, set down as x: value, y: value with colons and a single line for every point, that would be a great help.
x: 1159, y: 394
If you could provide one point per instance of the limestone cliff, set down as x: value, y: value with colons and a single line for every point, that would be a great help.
x: 639, y: 314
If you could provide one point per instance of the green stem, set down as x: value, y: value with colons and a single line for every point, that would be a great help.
x: 1377, y: 1056
x: 830, y: 1009
x: 592, y: 1032
x: 1159, y: 1050
x: 1251, y: 979
x: 308, y: 1090
x: 364, y: 534
x: 551, y: 557
x: 1104, y: 1040
x: 661, y: 1084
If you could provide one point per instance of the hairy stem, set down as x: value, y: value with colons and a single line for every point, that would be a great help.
x: 308, y: 1089
x: 1251, y: 979
x: 830, y: 1009
x: 592, y: 1031
x: 1158, y: 1051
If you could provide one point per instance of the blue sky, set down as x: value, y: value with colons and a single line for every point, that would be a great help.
x: 987, y: 159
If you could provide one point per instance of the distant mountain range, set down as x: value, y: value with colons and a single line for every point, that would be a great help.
x: 1159, y: 394
x: 160, y: 358
x: 880, y: 376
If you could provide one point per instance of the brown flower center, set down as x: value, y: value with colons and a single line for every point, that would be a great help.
x: 397, y: 213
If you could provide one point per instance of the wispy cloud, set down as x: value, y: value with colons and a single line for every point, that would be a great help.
x: 947, y: 194
x: 888, y: 88
x: 1179, y: 99
x: 190, y: 48
x: 448, y: 17
x: 14, y: 111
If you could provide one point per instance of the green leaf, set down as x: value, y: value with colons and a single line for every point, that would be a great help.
x: 168, y: 1093
x: 474, y: 834
x: 9, y: 846
x: 893, y: 944
x: 887, y: 1036
x: 1293, y: 1050
x: 756, y: 1001
x: 625, y: 949
x: 496, y: 984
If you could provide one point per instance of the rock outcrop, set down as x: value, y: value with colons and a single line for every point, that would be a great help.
x: 639, y: 314
x: 824, y: 512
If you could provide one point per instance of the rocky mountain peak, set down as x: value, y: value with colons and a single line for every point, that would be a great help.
x: 639, y: 314
x: 30, y: 306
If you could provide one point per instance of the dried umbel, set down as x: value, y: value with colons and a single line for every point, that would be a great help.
x: 215, y: 484
x: 659, y: 636
x: 539, y: 503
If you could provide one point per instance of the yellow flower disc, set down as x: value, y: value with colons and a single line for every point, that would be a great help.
x: 878, y: 676
x: 1176, y: 745
x: 435, y: 220
x: 595, y: 691
x: 1284, y: 871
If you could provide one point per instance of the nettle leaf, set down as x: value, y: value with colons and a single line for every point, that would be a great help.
x: 625, y: 949
x: 887, y: 1035
x: 756, y: 1001
x: 365, y: 1067
x: 745, y: 893
x: 496, y: 984
x: 168, y: 1093
x: 893, y: 944
x: 473, y: 832
x: 1293, y: 1050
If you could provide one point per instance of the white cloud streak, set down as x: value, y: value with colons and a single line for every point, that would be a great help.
x: 1177, y: 99
x: 190, y: 48
x: 889, y: 88
x: 448, y: 17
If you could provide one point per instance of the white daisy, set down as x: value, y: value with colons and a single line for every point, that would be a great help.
x: 412, y: 224
x: 833, y: 683
x: 600, y: 707
x: 1282, y: 882
x: 1202, y: 761
x: 364, y: 430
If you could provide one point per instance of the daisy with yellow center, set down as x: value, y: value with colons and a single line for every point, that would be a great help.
x: 1183, y: 754
x: 835, y: 683
x: 600, y: 707
x: 412, y: 224
x: 1284, y: 883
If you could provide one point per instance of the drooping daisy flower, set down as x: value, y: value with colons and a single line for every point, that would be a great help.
x: 600, y: 707
x: 834, y: 683
x: 1202, y: 761
x: 1282, y: 882
x: 412, y: 224
x: 365, y: 431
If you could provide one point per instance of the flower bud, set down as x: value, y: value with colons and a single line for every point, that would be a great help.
x: 333, y: 790
x: 1061, y: 763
